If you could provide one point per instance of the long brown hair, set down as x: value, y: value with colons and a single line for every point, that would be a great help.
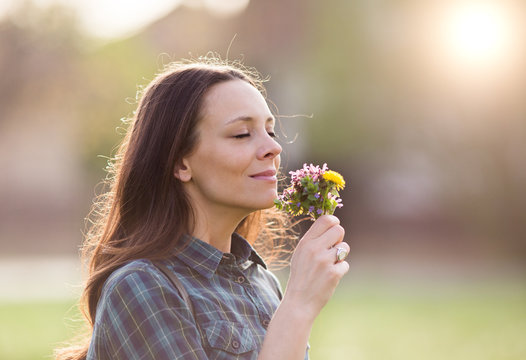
x: 145, y: 212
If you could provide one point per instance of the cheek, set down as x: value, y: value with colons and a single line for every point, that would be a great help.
x: 232, y: 166
x: 223, y: 165
x: 235, y: 158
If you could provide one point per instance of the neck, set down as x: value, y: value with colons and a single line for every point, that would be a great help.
x: 216, y: 226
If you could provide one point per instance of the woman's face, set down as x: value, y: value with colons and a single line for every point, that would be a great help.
x: 236, y: 158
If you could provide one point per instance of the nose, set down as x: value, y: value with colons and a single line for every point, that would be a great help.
x: 269, y: 149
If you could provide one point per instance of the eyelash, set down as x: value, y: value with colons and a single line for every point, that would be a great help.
x: 241, y: 136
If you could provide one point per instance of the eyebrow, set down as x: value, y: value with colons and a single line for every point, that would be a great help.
x: 249, y: 118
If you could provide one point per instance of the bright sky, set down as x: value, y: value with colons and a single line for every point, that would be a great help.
x: 117, y: 18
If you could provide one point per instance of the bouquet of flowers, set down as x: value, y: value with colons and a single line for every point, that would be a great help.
x: 313, y: 191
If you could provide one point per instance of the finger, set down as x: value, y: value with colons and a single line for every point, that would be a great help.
x: 343, y: 245
x: 342, y: 267
x: 321, y: 225
x: 333, y: 236
x: 329, y: 256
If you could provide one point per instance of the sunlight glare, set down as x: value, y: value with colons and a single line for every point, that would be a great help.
x: 479, y: 32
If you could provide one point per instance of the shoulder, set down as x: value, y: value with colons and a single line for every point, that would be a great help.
x: 136, y: 273
x: 269, y: 275
x: 139, y: 289
x: 137, y: 284
x: 271, y: 279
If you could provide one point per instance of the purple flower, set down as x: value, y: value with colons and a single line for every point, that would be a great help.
x: 317, y: 196
x: 311, y: 208
x: 298, y: 204
x: 319, y: 211
x: 314, y: 172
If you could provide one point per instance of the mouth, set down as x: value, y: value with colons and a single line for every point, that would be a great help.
x: 269, y: 175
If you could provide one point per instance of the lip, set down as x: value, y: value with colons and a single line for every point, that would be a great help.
x: 265, y: 175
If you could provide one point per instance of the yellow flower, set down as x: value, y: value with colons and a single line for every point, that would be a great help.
x: 335, y: 178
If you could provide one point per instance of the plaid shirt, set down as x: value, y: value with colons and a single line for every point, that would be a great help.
x: 141, y: 315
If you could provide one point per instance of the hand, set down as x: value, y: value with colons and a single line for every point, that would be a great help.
x: 314, y: 272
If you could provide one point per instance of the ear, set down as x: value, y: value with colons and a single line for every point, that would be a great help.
x: 182, y: 171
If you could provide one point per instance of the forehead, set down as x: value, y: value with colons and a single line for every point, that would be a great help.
x: 234, y: 99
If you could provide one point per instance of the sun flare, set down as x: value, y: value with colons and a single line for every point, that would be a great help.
x: 479, y: 32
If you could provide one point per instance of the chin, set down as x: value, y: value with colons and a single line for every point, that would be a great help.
x: 262, y: 205
x: 264, y: 201
x: 268, y: 204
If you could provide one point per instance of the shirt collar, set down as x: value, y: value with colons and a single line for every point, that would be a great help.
x: 242, y: 249
x: 205, y: 258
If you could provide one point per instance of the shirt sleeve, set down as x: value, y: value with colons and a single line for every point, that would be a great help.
x: 143, y: 317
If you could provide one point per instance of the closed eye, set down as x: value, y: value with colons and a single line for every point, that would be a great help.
x: 241, y: 136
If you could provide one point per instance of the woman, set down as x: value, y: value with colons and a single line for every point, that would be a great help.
x: 190, y: 183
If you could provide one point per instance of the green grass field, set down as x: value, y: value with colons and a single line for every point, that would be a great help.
x: 369, y: 322
x: 449, y: 323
